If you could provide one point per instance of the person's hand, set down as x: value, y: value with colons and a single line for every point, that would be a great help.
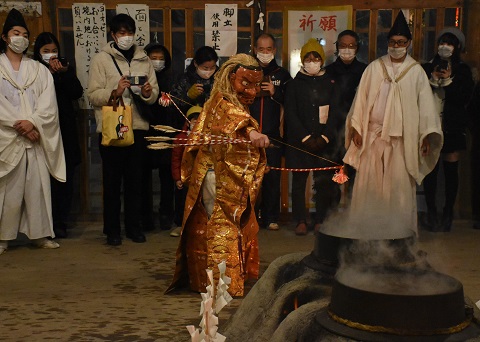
x: 33, y: 136
x: 425, y: 148
x: 122, y: 85
x: 146, y: 90
x: 56, y: 66
x: 195, y: 91
x: 23, y: 127
x: 315, y: 144
x: 259, y: 139
x: 179, y: 184
x: 441, y: 73
x: 268, y: 86
x: 357, y: 138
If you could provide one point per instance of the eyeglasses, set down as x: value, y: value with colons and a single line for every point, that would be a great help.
x: 347, y: 46
x: 401, y: 43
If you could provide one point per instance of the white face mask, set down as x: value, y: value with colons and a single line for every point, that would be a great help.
x: 445, y: 51
x: 18, y: 44
x: 312, y: 68
x: 46, y: 56
x: 205, y: 74
x: 158, y: 65
x: 265, y: 58
x: 125, y: 43
x: 397, y: 53
x: 346, y: 54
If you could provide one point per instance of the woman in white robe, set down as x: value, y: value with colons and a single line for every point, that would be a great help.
x: 30, y: 142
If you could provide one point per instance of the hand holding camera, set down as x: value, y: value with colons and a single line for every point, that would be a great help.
x: 58, y: 64
x: 442, y: 69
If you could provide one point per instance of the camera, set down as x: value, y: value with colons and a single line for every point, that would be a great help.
x: 63, y: 61
x: 263, y: 93
x: 441, y: 65
x: 137, y: 80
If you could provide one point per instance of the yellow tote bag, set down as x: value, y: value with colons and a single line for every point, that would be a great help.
x: 117, y: 127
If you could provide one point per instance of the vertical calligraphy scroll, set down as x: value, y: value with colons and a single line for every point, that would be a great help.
x: 221, y: 28
x: 90, y: 35
x: 322, y: 23
x: 139, y: 13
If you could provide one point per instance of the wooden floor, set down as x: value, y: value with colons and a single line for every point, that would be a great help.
x: 88, y: 291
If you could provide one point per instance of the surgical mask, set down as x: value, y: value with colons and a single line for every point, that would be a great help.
x: 158, y: 65
x: 205, y: 74
x: 312, y: 68
x: 445, y: 51
x: 125, y: 43
x: 397, y: 53
x: 265, y: 58
x: 18, y: 44
x: 346, y: 54
x: 46, y: 56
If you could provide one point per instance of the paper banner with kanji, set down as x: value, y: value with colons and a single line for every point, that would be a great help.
x: 221, y: 28
x: 139, y: 13
x: 323, y: 23
x: 89, y: 30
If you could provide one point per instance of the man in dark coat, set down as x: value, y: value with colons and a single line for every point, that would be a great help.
x: 267, y: 110
x: 347, y: 71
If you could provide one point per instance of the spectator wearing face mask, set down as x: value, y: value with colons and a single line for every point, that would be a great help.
x: 452, y: 84
x: 120, y: 165
x: 67, y: 89
x: 346, y: 71
x: 160, y: 159
x: 267, y: 109
x: 311, y: 120
x: 195, y: 85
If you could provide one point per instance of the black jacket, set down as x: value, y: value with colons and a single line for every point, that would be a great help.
x: 68, y: 88
x: 457, y: 96
x: 183, y: 84
x: 267, y: 110
x: 304, y: 96
x: 347, y: 77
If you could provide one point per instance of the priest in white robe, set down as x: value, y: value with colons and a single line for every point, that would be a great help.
x: 393, y: 140
x: 31, y: 146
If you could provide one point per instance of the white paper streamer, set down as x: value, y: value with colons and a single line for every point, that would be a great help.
x: 209, y: 322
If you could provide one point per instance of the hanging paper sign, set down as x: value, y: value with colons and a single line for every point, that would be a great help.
x: 139, y: 13
x: 28, y: 8
x: 322, y: 23
x: 221, y: 28
x: 90, y: 35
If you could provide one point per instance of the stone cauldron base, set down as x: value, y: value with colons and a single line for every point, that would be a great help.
x: 285, y: 302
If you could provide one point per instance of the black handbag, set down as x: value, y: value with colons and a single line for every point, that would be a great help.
x: 143, y: 108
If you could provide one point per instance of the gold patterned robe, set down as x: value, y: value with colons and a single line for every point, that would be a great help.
x: 231, y: 232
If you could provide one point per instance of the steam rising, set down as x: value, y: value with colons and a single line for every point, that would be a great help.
x: 373, y: 222
x: 382, y: 255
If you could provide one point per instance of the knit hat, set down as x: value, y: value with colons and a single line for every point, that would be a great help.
x: 457, y: 33
x: 312, y: 45
x: 14, y: 18
x: 192, y: 111
x: 400, y: 27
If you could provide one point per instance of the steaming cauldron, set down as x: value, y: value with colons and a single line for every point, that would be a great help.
x: 396, y: 304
